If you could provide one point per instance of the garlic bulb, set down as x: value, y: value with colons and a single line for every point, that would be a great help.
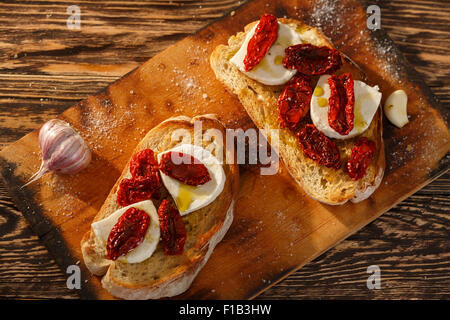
x: 63, y: 150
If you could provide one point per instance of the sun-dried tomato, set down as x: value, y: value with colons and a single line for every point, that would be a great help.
x: 318, y: 147
x: 342, y: 103
x: 265, y: 35
x: 311, y: 60
x: 127, y: 233
x: 145, y: 180
x: 294, y: 101
x: 173, y: 232
x: 362, y: 153
x: 189, y: 171
x: 137, y: 189
x: 144, y: 164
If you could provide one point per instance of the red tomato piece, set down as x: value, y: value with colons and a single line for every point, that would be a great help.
x: 311, y: 60
x: 127, y: 233
x: 265, y: 35
x: 294, y: 101
x: 189, y: 171
x: 137, y: 189
x: 362, y: 153
x: 173, y: 232
x: 319, y: 147
x: 342, y: 103
x: 143, y: 164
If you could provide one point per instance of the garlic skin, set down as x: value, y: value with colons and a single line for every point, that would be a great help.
x: 63, y: 150
x: 395, y: 108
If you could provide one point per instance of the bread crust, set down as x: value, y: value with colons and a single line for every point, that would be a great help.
x: 162, y: 275
x: 260, y: 101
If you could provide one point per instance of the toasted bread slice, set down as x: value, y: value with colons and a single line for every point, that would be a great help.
x: 166, y: 275
x: 260, y: 101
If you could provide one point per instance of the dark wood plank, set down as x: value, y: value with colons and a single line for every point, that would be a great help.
x: 45, y: 68
x: 57, y: 73
x: 26, y: 268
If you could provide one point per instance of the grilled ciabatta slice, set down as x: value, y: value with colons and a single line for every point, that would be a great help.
x: 260, y: 101
x: 164, y: 275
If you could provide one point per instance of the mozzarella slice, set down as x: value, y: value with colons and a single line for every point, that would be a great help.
x: 367, y: 100
x: 270, y: 70
x: 191, y: 198
x: 102, y: 229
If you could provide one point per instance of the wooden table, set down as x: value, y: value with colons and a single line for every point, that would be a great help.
x: 45, y: 68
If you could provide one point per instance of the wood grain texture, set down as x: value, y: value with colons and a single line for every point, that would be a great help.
x: 69, y: 70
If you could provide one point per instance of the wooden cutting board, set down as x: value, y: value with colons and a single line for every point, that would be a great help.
x: 277, y: 228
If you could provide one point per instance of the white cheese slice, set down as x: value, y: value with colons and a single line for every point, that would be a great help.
x: 191, y: 198
x: 367, y: 100
x: 270, y: 70
x: 102, y: 229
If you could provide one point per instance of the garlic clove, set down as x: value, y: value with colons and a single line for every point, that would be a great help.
x: 79, y: 165
x: 395, y: 108
x: 63, y: 150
